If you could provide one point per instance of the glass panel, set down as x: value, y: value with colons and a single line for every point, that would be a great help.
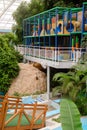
x: 7, y: 7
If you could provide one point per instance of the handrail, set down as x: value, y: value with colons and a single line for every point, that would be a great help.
x: 56, y: 54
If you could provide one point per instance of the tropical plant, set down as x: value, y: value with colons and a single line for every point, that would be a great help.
x: 84, y: 51
x: 11, y: 38
x: 9, y: 68
x: 84, y: 42
x: 69, y: 115
x: 48, y: 4
x: 62, y: 3
x: 70, y: 84
x: 73, y: 86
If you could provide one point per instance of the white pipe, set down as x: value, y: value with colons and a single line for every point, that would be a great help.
x: 48, y: 82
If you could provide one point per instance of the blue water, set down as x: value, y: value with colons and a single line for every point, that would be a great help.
x: 84, y: 124
x: 57, y: 100
x: 51, y: 113
x: 30, y: 100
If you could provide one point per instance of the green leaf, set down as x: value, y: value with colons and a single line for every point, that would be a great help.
x: 70, y: 116
x: 57, y: 76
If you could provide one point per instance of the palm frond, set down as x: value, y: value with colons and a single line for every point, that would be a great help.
x: 56, y: 90
x: 67, y: 87
x: 69, y: 115
x: 73, y: 93
x: 57, y: 76
x: 84, y: 79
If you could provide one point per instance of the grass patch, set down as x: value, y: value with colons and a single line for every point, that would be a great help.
x: 56, y: 119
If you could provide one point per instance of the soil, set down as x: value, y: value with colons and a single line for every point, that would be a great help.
x: 29, y: 81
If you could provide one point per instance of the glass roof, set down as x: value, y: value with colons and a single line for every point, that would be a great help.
x: 7, y: 7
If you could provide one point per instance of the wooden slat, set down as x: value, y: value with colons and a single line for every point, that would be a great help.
x: 21, y: 109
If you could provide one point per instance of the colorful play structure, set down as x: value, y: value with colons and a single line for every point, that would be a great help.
x: 56, y: 34
x: 57, y: 27
x: 53, y: 38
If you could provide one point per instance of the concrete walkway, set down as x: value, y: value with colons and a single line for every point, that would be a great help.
x: 50, y: 124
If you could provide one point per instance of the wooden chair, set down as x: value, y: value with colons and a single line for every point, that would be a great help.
x: 24, y: 116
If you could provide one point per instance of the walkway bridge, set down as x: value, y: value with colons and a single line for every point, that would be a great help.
x: 59, y: 57
x: 63, y: 58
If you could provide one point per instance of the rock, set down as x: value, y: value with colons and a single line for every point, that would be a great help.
x: 39, y: 66
x: 29, y: 81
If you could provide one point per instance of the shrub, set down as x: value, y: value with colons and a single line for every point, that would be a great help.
x: 9, y: 68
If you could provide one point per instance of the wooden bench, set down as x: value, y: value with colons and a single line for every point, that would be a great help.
x: 24, y: 116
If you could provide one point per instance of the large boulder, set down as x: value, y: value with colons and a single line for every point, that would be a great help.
x: 29, y: 81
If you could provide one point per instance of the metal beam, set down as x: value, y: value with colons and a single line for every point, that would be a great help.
x: 5, y: 9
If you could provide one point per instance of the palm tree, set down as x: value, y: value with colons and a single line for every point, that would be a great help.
x: 73, y: 86
x: 71, y: 83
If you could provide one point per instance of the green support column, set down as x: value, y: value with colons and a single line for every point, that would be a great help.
x: 77, y: 42
x: 72, y: 44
